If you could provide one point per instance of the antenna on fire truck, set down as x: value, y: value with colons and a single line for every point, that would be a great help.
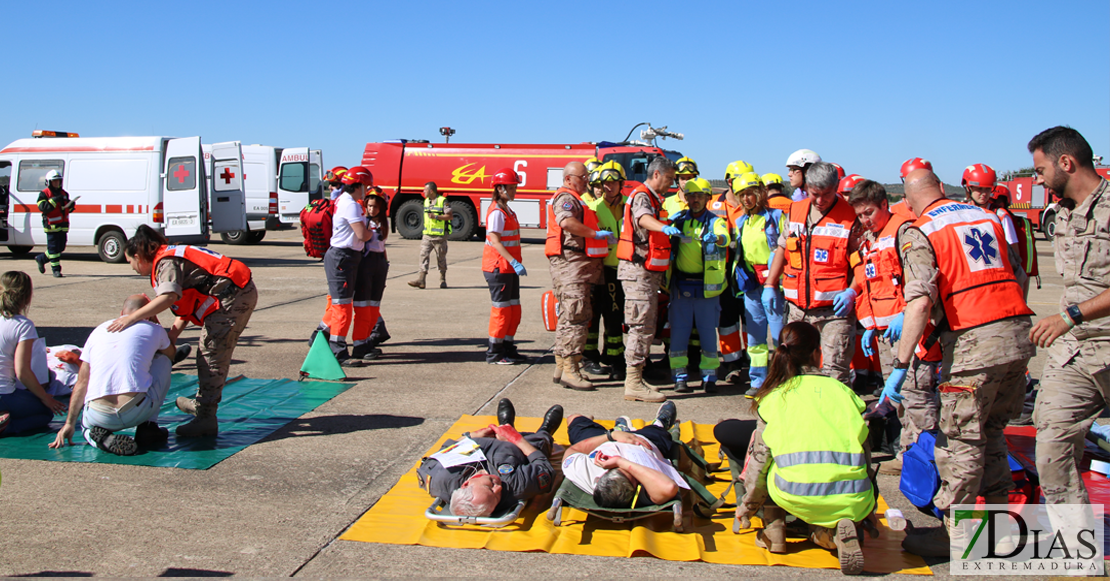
x: 446, y: 132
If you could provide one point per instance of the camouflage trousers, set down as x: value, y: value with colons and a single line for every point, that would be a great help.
x: 921, y: 405
x: 838, y: 339
x: 1072, y: 396
x: 641, y: 306
x: 439, y: 243
x: 218, y: 337
x: 975, y: 406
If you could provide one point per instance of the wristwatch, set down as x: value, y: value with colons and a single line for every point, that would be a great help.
x: 609, y: 435
x: 1075, y: 314
x: 899, y: 365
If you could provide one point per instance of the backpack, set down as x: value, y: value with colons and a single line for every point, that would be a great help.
x: 1027, y: 245
x: 316, y: 220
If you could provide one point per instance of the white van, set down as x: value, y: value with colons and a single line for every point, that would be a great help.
x: 121, y: 182
x: 299, y: 182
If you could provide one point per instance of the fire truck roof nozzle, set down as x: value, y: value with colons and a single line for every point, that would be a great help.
x: 651, y: 133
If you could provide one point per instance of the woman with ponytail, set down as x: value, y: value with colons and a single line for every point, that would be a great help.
x: 809, y: 455
x: 24, y: 403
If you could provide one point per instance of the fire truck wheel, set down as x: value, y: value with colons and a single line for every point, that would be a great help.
x: 20, y: 250
x: 410, y: 219
x: 110, y: 247
x: 464, y: 224
x: 1049, y: 223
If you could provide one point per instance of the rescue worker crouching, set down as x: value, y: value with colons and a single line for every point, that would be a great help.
x: 820, y: 474
x: 575, y: 246
x: 437, y: 225
x: 698, y: 274
x: 502, y: 269
x: 608, y: 297
x: 55, y: 205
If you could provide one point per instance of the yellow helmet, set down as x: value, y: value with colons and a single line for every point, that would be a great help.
x: 746, y: 180
x: 591, y: 164
x: 737, y: 168
x: 698, y: 186
x: 610, y: 171
x: 686, y: 166
x: 771, y: 178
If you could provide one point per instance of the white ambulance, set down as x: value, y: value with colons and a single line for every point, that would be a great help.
x: 119, y: 183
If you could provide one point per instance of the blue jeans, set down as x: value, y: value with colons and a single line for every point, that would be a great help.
x: 761, y: 321
x: 141, y: 409
x: 685, y: 312
x: 27, y: 411
x: 583, y: 428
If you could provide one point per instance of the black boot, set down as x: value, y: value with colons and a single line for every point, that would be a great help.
x: 680, y: 386
x: 150, y: 436
x: 592, y: 367
x: 506, y: 413
x: 552, y: 419
x: 512, y: 354
x: 40, y: 259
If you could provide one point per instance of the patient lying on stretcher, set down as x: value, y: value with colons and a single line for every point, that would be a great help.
x: 511, y: 466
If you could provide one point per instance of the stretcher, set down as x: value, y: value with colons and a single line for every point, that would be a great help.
x: 440, y: 512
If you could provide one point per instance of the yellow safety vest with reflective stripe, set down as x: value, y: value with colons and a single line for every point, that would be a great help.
x: 816, y: 434
x: 713, y: 264
x: 607, y: 221
x: 434, y: 227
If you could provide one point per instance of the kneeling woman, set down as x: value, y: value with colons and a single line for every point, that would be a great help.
x: 819, y: 474
x: 200, y: 287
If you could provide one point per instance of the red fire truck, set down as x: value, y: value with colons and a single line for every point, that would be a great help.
x: 462, y: 172
x: 1033, y: 201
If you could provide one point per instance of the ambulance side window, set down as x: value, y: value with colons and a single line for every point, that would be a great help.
x: 293, y: 177
x: 32, y: 173
x: 183, y: 173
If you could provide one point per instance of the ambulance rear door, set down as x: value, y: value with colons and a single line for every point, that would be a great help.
x: 229, y: 202
x: 183, y: 188
x: 293, y: 184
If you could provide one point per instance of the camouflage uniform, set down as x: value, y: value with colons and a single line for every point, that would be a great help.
x: 982, y: 385
x: 221, y: 329
x: 641, y: 288
x: 572, y: 276
x: 1075, y: 383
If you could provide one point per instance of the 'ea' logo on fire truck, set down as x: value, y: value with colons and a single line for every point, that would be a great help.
x: 460, y: 176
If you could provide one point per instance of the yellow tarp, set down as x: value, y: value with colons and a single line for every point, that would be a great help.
x: 398, y: 519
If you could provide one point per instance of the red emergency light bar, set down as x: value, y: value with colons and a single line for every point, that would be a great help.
x: 43, y: 133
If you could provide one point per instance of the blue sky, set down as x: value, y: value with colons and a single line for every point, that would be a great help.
x: 865, y: 84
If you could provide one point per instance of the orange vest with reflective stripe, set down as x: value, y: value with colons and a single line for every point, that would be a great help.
x: 817, y: 265
x: 880, y: 271
x: 721, y: 208
x: 510, y: 238
x: 780, y: 202
x: 554, y: 244
x: 976, y: 282
x: 659, y: 244
x: 193, y: 305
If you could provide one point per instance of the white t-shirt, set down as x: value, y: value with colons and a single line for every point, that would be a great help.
x: 375, y: 243
x: 496, y: 222
x: 120, y: 362
x: 1008, y: 227
x: 12, y: 331
x: 581, y: 470
x: 347, y: 212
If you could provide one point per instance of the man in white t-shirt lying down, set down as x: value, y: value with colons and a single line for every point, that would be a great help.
x: 621, y: 468
x: 123, y: 380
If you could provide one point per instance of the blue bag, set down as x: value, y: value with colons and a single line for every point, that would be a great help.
x: 920, y: 478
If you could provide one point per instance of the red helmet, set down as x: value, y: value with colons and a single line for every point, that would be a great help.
x: 505, y: 177
x: 914, y: 164
x: 1000, y: 191
x: 335, y: 174
x: 849, y: 182
x: 358, y: 175
x: 980, y: 175
x: 839, y: 171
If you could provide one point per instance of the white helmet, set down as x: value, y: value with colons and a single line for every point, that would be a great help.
x: 802, y: 158
x: 53, y: 175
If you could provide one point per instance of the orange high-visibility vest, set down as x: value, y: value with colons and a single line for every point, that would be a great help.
x: 880, y: 271
x: 721, y: 208
x: 193, y: 305
x: 554, y: 244
x: 510, y: 238
x: 976, y: 282
x: 780, y: 202
x: 659, y: 244
x: 817, y: 264
x: 56, y: 218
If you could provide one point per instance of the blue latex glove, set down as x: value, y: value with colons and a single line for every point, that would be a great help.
x: 605, y: 235
x: 672, y: 231
x: 519, y: 268
x: 893, y: 387
x: 772, y: 299
x: 865, y: 342
x: 844, y: 302
x: 709, y: 239
x: 1101, y: 431
x: 894, y: 330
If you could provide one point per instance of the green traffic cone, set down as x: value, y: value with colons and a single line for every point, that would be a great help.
x: 320, y: 363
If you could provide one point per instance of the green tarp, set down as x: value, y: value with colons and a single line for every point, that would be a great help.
x: 251, y: 410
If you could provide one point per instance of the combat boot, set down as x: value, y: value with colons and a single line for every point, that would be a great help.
x: 421, y: 278
x: 1004, y: 544
x: 187, y: 405
x: 848, y: 548
x: 205, y: 424
x: 572, y: 376
x: 558, y: 375
x: 891, y: 467
x: 442, y: 279
x: 636, y: 390
x: 773, y: 534
x: 933, y: 542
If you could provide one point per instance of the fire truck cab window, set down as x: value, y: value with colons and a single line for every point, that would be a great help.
x: 182, y: 173
x: 293, y: 177
x: 32, y: 173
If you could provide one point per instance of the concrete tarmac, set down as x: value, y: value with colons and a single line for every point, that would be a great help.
x: 276, y: 508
